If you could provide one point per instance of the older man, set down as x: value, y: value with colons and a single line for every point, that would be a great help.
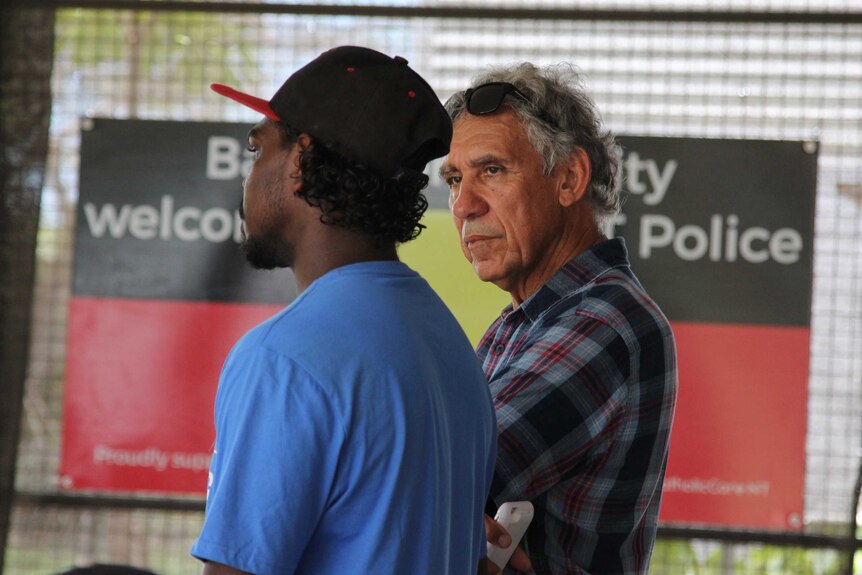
x: 582, y: 363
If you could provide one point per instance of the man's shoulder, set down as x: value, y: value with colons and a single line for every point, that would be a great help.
x: 287, y: 345
x: 617, y: 289
x: 612, y: 306
x: 614, y: 293
x: 279, y: 328
x: 596, y: 282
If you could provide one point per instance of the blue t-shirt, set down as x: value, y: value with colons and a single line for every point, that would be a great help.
x: 354, y: 434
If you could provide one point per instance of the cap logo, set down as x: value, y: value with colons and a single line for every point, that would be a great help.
x: 411, y: 94
x: 351, y: 69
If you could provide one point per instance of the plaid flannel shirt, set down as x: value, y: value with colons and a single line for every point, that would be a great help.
x: 584, y: 381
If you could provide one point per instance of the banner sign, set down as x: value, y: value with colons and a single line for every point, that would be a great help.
x: 161, y: 292
x: 719, y: 231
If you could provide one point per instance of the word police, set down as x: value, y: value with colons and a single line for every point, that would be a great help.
x: 723, y: 241
x: 719, y: 239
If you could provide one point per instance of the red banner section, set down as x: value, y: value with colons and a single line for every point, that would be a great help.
x: 141, y: 377
x: 737, y: 453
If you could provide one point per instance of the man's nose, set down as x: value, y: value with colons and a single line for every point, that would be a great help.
x: 466, y: 201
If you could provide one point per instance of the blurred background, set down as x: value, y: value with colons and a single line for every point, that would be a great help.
x: 728, y: 69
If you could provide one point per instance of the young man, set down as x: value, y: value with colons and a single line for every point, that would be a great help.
x: 354, y: 429
x: 582, y: 364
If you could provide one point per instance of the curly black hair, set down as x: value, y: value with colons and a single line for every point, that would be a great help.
x: 350, y: 195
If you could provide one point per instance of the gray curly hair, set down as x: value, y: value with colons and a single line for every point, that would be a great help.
x: 561, y: 119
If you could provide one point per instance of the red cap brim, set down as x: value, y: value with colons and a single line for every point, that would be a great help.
x: 252, y: 102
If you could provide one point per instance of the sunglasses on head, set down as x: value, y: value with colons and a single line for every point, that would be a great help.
x: 487, y: 99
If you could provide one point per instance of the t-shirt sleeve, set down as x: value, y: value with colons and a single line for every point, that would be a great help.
x: 278, y: 438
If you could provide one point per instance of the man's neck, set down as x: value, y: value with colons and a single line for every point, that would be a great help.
x: 584, y: 235
x: 334, y: 248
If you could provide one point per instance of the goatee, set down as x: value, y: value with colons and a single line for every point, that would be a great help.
x: 267, y: 251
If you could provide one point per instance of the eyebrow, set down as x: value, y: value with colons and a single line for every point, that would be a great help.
x: 445, y: 169
x: 486, y: 159
x: 474, y: 163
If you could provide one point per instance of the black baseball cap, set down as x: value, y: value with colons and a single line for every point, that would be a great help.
x: 364, y: 105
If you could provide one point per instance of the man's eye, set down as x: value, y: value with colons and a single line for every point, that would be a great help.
x: 493, y: 170
x: 453, y: 181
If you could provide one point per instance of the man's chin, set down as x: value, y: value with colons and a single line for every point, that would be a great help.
x: 486, y: 271
x: 265, y: 255
x: 260, y: 263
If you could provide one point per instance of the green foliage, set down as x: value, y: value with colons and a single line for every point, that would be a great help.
x: 35, y: 561
x: 187, y: 47
x: 781, y: 560
x: 677, y: 557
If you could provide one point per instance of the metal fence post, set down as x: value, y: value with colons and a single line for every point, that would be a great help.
x: 25, y: 101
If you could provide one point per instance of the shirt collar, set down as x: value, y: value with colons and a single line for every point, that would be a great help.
x: 580, y: 271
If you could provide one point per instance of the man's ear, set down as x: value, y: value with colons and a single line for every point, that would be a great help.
x: 303, y: 142
x: 575, y: 178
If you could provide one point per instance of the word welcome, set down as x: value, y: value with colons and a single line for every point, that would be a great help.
x: 147, y: 222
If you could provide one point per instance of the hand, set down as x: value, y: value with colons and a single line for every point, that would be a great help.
x: 497, y: 536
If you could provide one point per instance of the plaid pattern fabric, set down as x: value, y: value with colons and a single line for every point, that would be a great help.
x: 584, y: 381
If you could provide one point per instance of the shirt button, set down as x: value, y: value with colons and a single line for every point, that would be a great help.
x: 498, y: 349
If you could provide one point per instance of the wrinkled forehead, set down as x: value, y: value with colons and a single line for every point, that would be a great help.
x: 475, y: 136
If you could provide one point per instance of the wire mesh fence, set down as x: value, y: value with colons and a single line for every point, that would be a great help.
x: 740, y: 69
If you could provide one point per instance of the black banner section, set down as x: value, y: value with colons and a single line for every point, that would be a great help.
x: 721, y: 231
x: 158, y: 214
